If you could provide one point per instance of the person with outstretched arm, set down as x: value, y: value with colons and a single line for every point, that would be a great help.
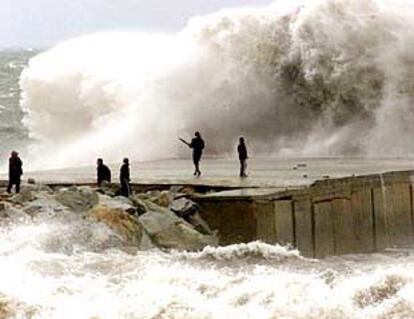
x: 15, y: 171
x: 197, y: 144
x: 125, y: 179
x: 242, y: 150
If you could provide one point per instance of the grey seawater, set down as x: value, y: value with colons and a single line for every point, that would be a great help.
x: 13, y: 135
x: 66, y: 268
x: 63, y: 267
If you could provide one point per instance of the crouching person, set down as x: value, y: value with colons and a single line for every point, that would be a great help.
x: 103, y: 172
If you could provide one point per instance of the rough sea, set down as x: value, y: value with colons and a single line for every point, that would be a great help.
x: 341, y: 73
x: 13, y: 134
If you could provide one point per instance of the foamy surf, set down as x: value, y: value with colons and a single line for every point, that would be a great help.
x: 326, y: 77
x: 37, y: 282
x: 58, y: 261
x: 254, y: 250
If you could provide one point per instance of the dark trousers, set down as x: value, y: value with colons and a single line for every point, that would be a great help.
x: 196, y: 161
x: 125, y: 188
x: 243, y: 167
x: 13, y: 182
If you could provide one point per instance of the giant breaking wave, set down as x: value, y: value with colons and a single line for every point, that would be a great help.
x: 324, y: 77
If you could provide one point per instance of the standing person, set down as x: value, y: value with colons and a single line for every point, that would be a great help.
x: 103, y: 172
x: 15, y: 171
x: 197, y: 144
x: 124, y: 178
x: 242, y: 150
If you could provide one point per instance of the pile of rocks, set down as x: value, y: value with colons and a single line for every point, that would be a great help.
x: 162, y: 219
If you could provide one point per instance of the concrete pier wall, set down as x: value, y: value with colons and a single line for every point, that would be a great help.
x: 359, y: 214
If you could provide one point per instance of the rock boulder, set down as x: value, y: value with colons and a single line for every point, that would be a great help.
x: 77, y: 198
x: 122, y: 223
x: 182, y: 236
x: 167, y: 230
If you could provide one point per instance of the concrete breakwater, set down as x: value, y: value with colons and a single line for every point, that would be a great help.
x: 358, y: 214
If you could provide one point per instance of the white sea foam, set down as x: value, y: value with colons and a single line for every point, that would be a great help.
x: 254, y: 250
x: 60, y: 265
x: 12, y: 65
x: 41, y: 273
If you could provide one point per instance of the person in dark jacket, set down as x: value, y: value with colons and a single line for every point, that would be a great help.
x: 124, y: 178
x: 103, y: 172
x: 242, y: 150
x: 15, y: 171
x: 197, y: 144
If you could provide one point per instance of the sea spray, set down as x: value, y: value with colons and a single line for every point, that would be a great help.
x: 317, y: 78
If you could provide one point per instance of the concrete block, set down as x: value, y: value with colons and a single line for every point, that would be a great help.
x: 381, y: 229
x: 353, y: 224
x: 393, y: 216
x: 265, y: 221
x: 343, y: 226
x: 362, y: 208
x: 303, y: 227
x: 324, y: 229
x: 284, y: 222
x: 401, y: 230
x: 234, y: 219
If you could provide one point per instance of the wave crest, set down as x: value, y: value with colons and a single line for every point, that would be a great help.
x: 256, y: 250
x: 321, y: 78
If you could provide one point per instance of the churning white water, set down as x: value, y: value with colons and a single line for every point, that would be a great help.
x: 323, y: 77
x: 64, y: 268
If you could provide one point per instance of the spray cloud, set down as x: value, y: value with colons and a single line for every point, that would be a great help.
x: 323, y: 77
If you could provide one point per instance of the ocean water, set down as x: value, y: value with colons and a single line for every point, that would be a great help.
x: 13, y: 134
x: 51, y: 268
x: 329, y: 78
